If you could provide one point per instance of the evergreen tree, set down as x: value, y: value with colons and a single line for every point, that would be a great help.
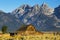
x: 4, y: 29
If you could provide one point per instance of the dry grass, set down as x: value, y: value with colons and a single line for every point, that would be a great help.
x: 30, y: 37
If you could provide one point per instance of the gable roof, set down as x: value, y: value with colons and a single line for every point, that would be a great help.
x: 27, y: 28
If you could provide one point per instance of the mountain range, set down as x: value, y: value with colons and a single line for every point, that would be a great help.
x: 42, y: 17
x: 10, y: 21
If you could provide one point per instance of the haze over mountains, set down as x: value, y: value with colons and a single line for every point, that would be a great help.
x: 42, y: 17
x: 10, y: 21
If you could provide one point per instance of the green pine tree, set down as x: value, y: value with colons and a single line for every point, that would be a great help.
x: 4, y: 29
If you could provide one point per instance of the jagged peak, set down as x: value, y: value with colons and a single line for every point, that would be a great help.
x: 44, y: 5
x: 36, y: 6
x: 24, y: 6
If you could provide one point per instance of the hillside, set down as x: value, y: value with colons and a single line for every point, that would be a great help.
x: 10, y: 21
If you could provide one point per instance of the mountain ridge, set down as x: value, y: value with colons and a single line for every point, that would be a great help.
x: 10, y: 21
x: 42, y: 17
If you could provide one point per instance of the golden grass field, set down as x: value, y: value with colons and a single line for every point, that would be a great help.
x: 46, y: 36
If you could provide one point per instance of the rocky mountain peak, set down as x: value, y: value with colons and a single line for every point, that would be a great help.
x: 46, y: 10
x: 40, y: 16
x: 44, y: 5
x: 24, y: 6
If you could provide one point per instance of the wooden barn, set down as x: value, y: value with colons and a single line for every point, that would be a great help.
x: 28, y: 30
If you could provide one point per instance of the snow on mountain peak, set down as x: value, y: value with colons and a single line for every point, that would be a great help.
x: 40, y: 16
x: 46, y: 10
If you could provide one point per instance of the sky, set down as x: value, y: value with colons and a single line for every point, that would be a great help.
x: 10, y: 5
